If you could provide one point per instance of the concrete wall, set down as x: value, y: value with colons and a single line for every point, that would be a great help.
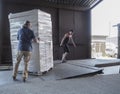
x: 62, y: 20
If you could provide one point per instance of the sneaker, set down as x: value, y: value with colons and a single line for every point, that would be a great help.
x: 14, y: 78
x: 63, y: 61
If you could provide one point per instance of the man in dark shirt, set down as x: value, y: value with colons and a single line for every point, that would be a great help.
x: 25, y: 36
x: 64, y: 43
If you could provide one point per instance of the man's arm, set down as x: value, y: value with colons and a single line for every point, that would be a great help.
x: 62, y: 40
x: 36, y: 40
x: 73, y: 41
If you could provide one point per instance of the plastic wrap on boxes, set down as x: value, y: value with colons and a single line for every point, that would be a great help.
x: 42, y: 54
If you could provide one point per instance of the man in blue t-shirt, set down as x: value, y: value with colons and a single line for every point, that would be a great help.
x: 25, y: 36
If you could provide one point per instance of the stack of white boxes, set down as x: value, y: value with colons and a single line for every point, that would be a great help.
x: 42, y: 54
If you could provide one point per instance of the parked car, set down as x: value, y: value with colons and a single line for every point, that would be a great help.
x: 111, y: 52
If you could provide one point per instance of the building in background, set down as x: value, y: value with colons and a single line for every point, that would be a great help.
x: 98, y: 46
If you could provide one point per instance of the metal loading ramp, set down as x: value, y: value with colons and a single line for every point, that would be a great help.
x: 64, y: 71
x: 79, y: 68
x: 68, y: 70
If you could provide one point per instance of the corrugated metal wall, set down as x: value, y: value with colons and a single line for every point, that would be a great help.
x: 0, y: 28
x: 80, y: 23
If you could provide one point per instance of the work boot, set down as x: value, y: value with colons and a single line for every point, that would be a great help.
x: 24, y: 79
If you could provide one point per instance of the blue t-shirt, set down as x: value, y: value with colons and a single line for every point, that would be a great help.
x: 25, y: 36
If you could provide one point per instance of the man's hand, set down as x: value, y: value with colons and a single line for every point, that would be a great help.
x: 38, y: 39
x: 74, y: 45
x: 60, y: 45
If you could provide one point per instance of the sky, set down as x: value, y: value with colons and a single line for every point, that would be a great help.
x: 104, y: 16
